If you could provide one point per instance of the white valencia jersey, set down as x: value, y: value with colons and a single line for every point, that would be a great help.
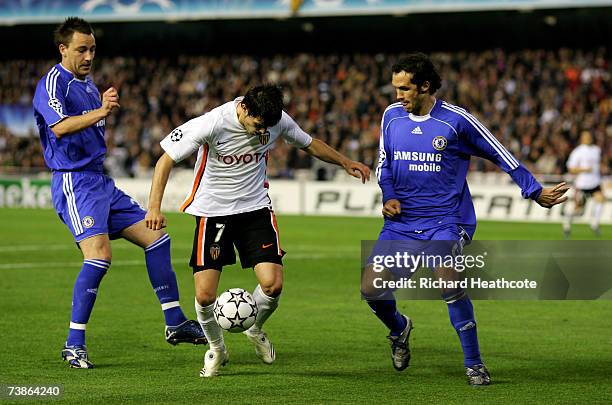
x: 586, y: 156
x: 230, y: 172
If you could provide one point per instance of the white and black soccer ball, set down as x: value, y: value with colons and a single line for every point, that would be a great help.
x: 235, y: 310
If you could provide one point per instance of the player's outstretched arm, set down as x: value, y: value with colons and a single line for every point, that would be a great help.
x: 155, y: 219
x: 70, y: 125
x: 551, y: 196
x: 326, y: 153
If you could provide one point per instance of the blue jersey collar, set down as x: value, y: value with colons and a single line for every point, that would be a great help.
x: 68, y: 74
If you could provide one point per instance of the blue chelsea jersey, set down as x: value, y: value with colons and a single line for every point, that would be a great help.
x: 423, y: 163
x: 60, y: 95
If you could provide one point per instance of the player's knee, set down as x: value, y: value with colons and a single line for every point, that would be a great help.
x: 273, y: 290
x: 154, y: 238
x: 153, y: 242
x: 205, y: 298
x: 101, y: 254
x: 373, y: 284
x: 105, y: 254
x: 368, y: 291
x: 96, y: 248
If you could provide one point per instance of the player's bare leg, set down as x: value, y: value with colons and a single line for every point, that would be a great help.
x: 156, y: 245
x: 206, y: 284
x: 96, y: 261
x: 461, y: 313
x: 266, y: 295
x: 599, y: 199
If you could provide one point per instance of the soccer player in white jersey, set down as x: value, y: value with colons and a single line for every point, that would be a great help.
x: 584, y: 162
x: 230, y: 202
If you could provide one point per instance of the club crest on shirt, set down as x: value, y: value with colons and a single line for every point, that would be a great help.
x: 264, y: 138
x: 439, y: 143
x: 176, y: 135
x: 215, y: 251
x: 88, y: 222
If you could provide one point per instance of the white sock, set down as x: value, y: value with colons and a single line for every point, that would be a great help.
x: 212, y: 331
x: 265, y: 307
x: 597, y: 208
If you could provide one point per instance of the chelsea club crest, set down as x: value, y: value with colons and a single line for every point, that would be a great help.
x: 88, y: 222
x: 439, y: 143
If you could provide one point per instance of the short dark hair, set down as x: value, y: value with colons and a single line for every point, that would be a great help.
x: 265, y: 102
x: 422, y: 69
x: 63, y: 33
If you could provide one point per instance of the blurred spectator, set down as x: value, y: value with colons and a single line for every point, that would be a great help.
x: 535, y: 101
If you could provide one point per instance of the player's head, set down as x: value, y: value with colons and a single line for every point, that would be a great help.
x: 415, y: 79
x: 77, y: 45
x: 586, y: 138
x: 262, y: 107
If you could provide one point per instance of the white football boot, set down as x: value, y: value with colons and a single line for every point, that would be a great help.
x: 213, y: 360
x: 263, y: 347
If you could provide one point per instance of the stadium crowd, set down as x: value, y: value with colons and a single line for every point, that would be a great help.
x: 535, y: 101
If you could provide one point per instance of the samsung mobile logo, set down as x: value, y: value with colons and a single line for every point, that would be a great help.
x: 417, y: 156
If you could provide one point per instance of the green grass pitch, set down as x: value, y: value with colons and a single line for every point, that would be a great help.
x: 330, y: 347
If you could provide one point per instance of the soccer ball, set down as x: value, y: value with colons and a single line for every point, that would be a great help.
x: 235, y: 310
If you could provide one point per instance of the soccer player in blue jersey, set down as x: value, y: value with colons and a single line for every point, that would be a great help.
x: 70, y: 115
x: 424, y: 155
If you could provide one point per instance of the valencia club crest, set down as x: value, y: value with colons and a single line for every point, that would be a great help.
x: 264, y: 138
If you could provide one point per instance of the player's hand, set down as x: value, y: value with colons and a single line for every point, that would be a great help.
x: 155, y: 220
x: 551, y: 196
x: 391, y: 208
x: 358, y: 170
x: 110, y: 100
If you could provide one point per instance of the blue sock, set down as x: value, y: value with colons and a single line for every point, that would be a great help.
x: 461, y: 314
x: 83, y: 298
x: 163, y: 280
x: 386, y: 311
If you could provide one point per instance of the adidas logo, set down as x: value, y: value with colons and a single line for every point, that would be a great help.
x: 467, y: 326
x: 417, y: 131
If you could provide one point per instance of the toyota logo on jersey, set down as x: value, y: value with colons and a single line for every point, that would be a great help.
x: 244, y: 158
